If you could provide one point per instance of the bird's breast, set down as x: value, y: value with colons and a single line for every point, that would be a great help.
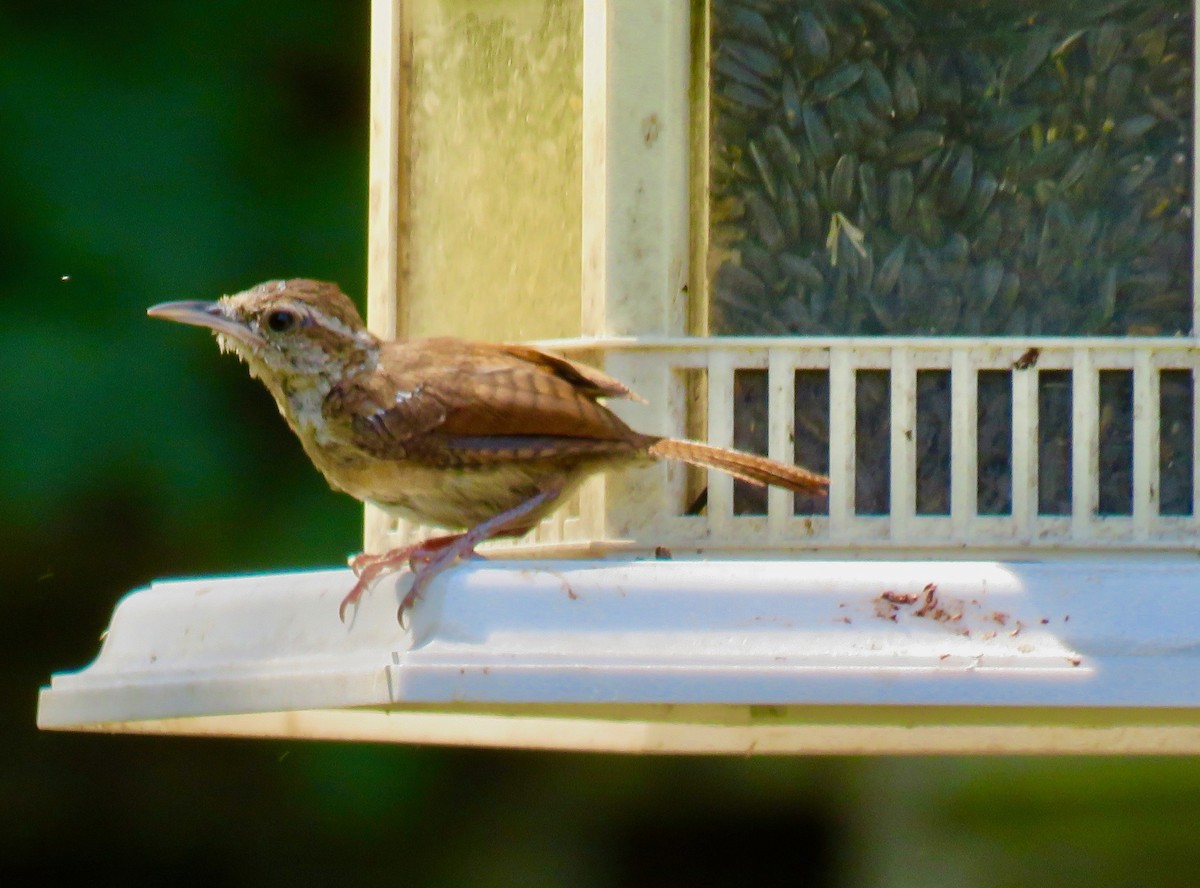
x: 459, y: 498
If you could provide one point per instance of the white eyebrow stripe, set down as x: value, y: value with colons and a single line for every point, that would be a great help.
x: 361, y: 337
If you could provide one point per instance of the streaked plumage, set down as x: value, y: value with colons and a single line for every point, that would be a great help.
x: 443, y: 432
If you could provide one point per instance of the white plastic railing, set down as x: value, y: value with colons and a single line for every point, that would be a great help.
x: 658, y: 369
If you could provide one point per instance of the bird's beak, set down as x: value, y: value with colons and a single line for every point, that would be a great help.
x: 206, y: 314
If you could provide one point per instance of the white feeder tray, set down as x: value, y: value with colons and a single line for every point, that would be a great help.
x: 684, y: 656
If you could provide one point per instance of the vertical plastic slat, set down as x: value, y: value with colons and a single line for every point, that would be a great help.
x: 1085, y: 444
x: 677, y: 416
x: 387, y: 167
x: 1145, y: 444
x: 670, y: 496
x: 635, y: 168
x: 1195, y: 331
x: 668, y: 393
x: 720, y: 433
x: 841, y: 443
x: 1024, y: 451
x: 964, y: 456
x: 1196, y: 444
x: 903, y: 443
x: 781, y: 381
x: 386, y: 254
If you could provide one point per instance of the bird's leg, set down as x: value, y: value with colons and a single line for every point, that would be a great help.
x: 430, y: 557
x: 368, y: 567
x: 419, y: 551
x: 451, y: 549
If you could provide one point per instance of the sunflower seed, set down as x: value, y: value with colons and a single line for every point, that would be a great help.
x: 837, y: 81
x: 900, y: 191
x: 878, y: 92
x: 914, y: 145
x: 812, y: 43
x: 904, y: 94
x: 819, y: 139
x: 842, y: 182
x: 958, y: 183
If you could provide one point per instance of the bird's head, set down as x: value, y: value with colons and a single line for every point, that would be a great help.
x: 289, y: 333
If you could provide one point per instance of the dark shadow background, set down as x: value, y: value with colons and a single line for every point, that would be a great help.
x: 154, y: 151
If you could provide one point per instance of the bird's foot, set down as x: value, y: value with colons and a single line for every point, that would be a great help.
x: 430, y: 557
x: 452, y: 548
x: 368, y: 568
x: 428, y: 562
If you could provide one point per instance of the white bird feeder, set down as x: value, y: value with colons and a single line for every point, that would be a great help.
x: 965, y: 304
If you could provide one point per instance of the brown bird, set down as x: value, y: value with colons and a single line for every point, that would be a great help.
x: 481, y: 438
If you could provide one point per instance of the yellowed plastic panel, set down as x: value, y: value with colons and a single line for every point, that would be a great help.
x: 493, y: 193
x: 713, y: 730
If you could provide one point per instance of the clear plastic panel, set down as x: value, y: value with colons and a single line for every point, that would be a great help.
x: 933, y: 168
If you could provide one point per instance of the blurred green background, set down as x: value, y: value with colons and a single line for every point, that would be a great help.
x: 156, y: 151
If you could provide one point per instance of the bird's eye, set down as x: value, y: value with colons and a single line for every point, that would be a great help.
x: 281, y: 320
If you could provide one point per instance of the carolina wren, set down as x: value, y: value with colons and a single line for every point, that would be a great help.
x: 481, y: 438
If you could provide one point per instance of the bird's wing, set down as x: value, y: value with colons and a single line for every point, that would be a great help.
x: 454, y: 402
x: 586, y: 380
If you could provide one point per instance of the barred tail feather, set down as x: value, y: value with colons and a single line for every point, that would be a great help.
x: 755, y: 469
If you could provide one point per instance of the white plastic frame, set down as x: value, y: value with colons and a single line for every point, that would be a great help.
x: 874, y: 657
